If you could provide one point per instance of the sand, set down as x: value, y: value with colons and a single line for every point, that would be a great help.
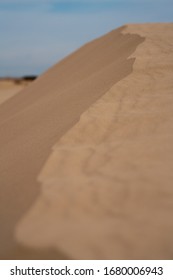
x: 10, y: 87
x: 104, y: 191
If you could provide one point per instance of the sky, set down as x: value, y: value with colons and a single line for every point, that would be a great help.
x: 36, y: 34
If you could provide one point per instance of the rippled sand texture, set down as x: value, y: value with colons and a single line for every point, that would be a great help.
x: 107, y: 188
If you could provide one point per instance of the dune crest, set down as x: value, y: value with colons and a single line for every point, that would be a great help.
x: 106, y: 189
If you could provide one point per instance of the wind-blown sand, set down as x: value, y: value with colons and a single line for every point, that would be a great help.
x: 106, y: 188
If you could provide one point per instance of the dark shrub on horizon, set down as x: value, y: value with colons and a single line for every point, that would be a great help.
x: 29, y: 77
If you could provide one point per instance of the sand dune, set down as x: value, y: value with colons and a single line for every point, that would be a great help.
x: 10, y: 87
x: 106, y: 187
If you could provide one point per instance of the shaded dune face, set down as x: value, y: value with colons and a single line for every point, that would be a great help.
x: 32, y: 121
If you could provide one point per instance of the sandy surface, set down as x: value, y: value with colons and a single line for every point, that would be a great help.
x: 9, y: 87
x: 32, y: 121
x: 106, y: 189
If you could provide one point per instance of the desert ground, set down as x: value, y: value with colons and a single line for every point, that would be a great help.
x: 11, y: 86
x: 86, y: 153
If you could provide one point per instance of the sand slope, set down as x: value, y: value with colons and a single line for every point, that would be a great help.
x: 106, y: 189
x: 9, y: 88
x: 34, y: 120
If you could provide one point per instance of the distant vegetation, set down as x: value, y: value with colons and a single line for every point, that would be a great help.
x: 29, y: 78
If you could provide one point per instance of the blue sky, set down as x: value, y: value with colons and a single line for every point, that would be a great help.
x: 35, y: 34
